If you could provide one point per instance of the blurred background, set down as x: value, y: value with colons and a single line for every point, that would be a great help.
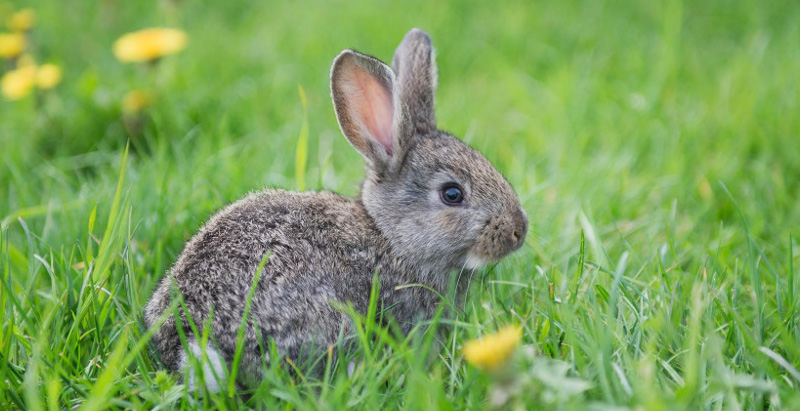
x: 666, y: 132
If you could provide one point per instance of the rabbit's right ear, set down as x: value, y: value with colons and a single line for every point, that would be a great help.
x: 367, y: 108
x: 414, y: 63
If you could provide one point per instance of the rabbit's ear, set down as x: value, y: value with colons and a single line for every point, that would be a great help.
x: 415, y: 66
x: 369, y: 114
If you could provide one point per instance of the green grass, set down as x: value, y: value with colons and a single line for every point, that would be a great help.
x: 654, y: 147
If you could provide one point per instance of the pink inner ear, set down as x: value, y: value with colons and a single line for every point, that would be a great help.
x: 372, y: 105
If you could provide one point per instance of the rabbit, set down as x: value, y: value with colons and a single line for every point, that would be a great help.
x: 429, y: 206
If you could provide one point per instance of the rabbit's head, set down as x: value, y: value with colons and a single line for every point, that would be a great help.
x: 439, y: 203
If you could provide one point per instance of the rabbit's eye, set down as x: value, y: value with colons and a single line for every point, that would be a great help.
x: 452, y: 194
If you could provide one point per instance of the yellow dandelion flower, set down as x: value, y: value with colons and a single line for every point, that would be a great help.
x: 149, y: 44
x: 18, y: 83
x: 493, y: 350
x: 135, y: 101
x: 22, y: 20
x: 48, y: 76
x: 11, y: 44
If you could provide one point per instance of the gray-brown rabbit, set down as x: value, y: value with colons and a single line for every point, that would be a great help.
x: 429, y: 206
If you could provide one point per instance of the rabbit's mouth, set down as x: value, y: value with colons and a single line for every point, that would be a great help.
x: 474, y: 261
x: 500, y: 236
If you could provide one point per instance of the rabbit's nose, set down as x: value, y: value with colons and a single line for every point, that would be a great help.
x: 520, y: 228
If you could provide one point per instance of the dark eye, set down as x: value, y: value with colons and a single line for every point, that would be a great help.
x: 452, y: 194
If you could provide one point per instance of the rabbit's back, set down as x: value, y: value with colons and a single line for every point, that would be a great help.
x: 322, y: 248
x: 304, y: 232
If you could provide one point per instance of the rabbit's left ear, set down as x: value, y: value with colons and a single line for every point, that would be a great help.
x: 414, y: 63
x: 368, y: 109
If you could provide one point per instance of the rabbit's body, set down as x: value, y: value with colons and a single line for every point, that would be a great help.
x: 429, y: 207
x: 306, y: 271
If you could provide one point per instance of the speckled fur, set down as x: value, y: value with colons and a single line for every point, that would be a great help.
x: 325, y: 248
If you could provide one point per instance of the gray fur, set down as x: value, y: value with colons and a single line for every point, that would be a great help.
x: 414, y: 63
x: 326, y: 248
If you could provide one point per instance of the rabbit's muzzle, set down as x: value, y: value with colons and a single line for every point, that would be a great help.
x: 502, y: 234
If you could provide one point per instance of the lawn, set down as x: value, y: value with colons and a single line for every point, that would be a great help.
x: 654, y: 145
